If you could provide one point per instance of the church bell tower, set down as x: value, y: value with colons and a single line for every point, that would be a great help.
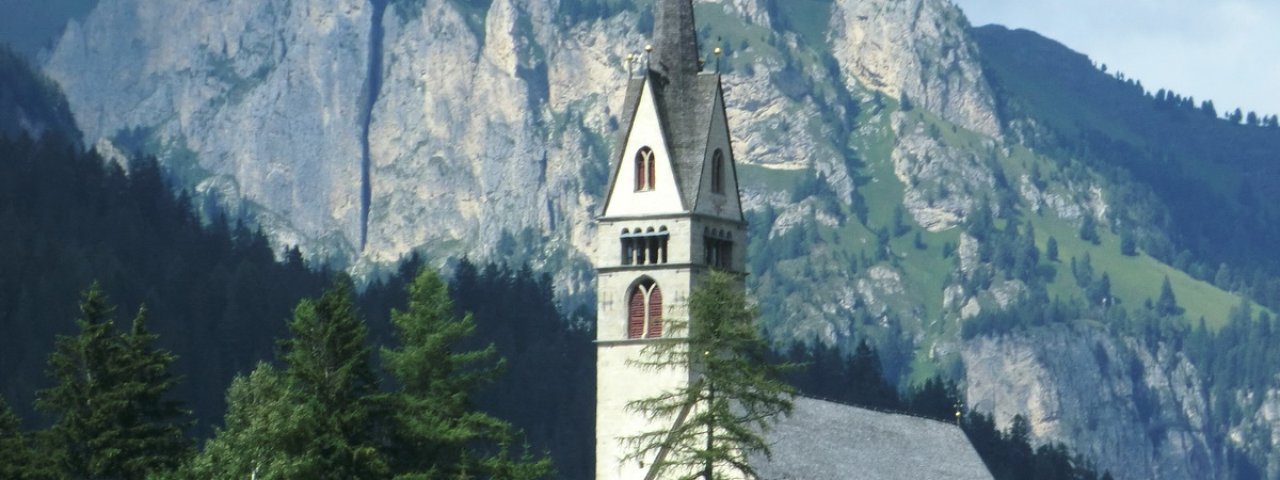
x: 672, y: 211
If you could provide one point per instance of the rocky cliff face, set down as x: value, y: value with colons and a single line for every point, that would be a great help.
x: 365, y: 129
x: 917, y: 49
x: 1137, y: 410
x: 262, y: 95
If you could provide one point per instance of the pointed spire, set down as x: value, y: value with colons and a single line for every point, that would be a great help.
x: 675, y: 39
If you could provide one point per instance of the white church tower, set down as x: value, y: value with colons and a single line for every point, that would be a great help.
x: 672, y: 211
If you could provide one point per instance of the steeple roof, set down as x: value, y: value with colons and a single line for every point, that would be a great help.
x: 684, y: 97
x: 675, y: 40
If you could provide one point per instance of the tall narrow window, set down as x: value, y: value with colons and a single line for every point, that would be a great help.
x: 628, y: 245
x: 717, y: 172
x: 636, y: 312
x: 645, y: 175
x: 644, y: 311
x: 655, y: 313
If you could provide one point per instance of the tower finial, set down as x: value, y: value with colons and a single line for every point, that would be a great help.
x: 675, y: 38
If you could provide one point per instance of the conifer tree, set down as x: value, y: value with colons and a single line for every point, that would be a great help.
x: 112, y: 417
x: 435, y: 430
x: 268, y: 432
x: 16, y: 459
x: 316, y: 418
x: 1167, y: 304
x: 732, y: 397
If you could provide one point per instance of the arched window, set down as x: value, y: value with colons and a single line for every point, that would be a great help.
x: 717, y: 172
x: 644, y: 311
x: 645, y: 175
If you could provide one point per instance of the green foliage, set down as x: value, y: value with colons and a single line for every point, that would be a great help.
x: 314, y: 419
x: 1167, y: 304
x: 1180, y: 178
x: 1089, y: 230
x: 113, y: 419
x: 267, y: 433
x: 732, y: 397
x: 548, y: 390
x: 1051, y: 249
x: 1128, y: 244
x: 857, y: 379
x: 434, y: 427
x: 214, y: 292
x: 17, y: 460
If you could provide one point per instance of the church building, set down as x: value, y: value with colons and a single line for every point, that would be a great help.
x: 672, y: 211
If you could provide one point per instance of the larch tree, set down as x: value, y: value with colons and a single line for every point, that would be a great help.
x: 732, y: 397
x: 435, y: 431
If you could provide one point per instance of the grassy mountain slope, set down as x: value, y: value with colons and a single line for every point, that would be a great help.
x: 1201, y: 181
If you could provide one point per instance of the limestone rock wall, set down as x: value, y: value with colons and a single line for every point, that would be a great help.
x: 1137, y: 410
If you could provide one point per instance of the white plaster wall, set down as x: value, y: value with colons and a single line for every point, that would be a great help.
x: 617, y: 385
x: 646, y: 131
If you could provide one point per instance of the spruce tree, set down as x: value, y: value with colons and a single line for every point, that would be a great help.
x: 109, y: 401
x: 328, y: 365
x: 16, y: 459
x: 315, y: 419
x: 268, y: 433
x: 731, y: 399
x: 1167, y: 304
x: 435, y: 429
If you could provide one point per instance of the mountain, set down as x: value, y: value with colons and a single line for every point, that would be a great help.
x: 981, y: 203
x: 31, y: 103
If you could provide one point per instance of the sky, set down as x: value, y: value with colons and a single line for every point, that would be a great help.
x: 1227, y: 51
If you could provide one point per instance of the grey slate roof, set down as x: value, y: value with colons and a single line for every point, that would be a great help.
x: 675, y: 39
x: 685, y: 98
x: 828, y: 441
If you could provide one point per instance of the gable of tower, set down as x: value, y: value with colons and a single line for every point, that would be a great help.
x: 644, y: 179
x: 718, y: 194
x: 674, y: 120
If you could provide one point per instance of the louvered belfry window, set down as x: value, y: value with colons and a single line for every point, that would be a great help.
x: 644, y: 311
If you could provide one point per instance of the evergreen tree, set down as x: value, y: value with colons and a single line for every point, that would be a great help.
x: 154, y: 441
x: 267, y: 434
x: 112, y: 417
x: 1128, y: 244
x: 1167, y: 304
x: 1051, y: 249
x: 866, y: 377
x: 16, y: 459
x: 314, y: 419
x: 435, y: 427
x: 1089, y: 229
x: 731, y: 399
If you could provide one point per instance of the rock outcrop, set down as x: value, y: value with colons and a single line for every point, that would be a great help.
x: 919, y: 50
x: 1135, y: 410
